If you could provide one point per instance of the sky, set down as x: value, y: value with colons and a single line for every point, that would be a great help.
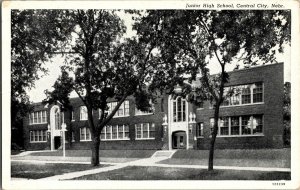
x: 37, y: 94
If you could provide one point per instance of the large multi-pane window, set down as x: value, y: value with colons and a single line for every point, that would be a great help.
x: 239, y: 125
x: 243, y: 94
x: 57, y: 123
x: 116, y: 132
x: 145, y: 131
x: 38, y: 136
x: 83, y: 113
x: 85, y: 134
x: 38, y: 117
x: 122, y: 111
x: 179, y: 110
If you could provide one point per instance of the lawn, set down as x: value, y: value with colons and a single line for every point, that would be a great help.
x: 280, y: 158
x: 42, y: 170
x: 157, y: 173
x: 103, y: 153
x: 273, y: 163
x: 278, y: 154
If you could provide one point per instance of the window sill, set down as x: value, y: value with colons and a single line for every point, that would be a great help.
x: 115, y: 139
x: 85, y: 140
x: 239, y: 105
x: 200, y: 137
x: 37, y: 123
x: 39, y: 142
x: 227, y: 136
x: 145, y: 139
x: 144, y: 114
x: 121, y: 116
x: 200, y: 109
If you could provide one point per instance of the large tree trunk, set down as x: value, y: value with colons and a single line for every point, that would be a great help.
x: 213, y: 138
x: 95, y: 151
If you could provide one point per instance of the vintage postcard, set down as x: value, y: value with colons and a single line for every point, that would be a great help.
x: 150, y: 94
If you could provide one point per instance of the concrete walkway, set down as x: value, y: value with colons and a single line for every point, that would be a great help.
x: 152, y: 161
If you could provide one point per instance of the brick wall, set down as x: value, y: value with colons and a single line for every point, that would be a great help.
x: 272, y: 110
x: 159, y: 112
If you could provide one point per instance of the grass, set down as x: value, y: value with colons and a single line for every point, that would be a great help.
x: 157, y: 173
x: 280, y: 158
x: 279, y: 154
x: 41, y: 170
x: 231, y: 162
x: 103, y: 153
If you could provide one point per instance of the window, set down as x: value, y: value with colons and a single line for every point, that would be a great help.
x: 246, y: 94
x: 257, y: 124
x: 224, y: 126
x: 243, y: 94
x: 83, y: 113
x: 226, y: 101
x: 235, y: 126
x: 57, y: 120
x: 257, y: 92
x: 199, y: 130
x: 44, y: 116
x: 235, y: 99
x: 246, y: 125
x: 38, y: 117
x: 122, y: 111
x: 239, y: 125
x: 38, y: 136
x: 85, y: 134
x: 145, y: 131
x: 35, y: 120
x: 117, y: 132
x: 179, y: 109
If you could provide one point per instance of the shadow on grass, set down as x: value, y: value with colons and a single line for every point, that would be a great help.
x: 158, y: 173
x: 41, y: 170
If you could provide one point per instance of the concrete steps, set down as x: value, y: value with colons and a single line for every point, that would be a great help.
x: 163, y: 153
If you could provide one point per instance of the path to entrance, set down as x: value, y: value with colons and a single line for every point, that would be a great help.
x: 152, y: 161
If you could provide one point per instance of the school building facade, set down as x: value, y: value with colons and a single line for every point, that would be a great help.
x: 251, y: 118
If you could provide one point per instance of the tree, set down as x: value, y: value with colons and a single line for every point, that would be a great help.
x: 105, y: 65
x: 287, y: 114
x: 33, y: 39
x: 193, y: 39
x: 60, y: 96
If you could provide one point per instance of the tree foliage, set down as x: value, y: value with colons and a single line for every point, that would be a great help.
x: 287, y: 114
x: 105, y: 65
x: 191, y: 40
x: 34, y: 36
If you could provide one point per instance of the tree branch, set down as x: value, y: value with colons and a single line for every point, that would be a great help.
x: 79, y: 95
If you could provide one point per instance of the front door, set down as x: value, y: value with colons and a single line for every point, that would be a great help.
x: 179, y: 140
x: 57, y: 142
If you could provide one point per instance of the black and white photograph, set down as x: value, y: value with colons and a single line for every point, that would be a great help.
x: 153, y: 95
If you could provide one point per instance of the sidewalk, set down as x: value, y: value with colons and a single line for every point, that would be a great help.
x: 152, y: 161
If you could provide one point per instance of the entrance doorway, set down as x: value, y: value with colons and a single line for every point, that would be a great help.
x: 179, y: 140
x: 57, y: 142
